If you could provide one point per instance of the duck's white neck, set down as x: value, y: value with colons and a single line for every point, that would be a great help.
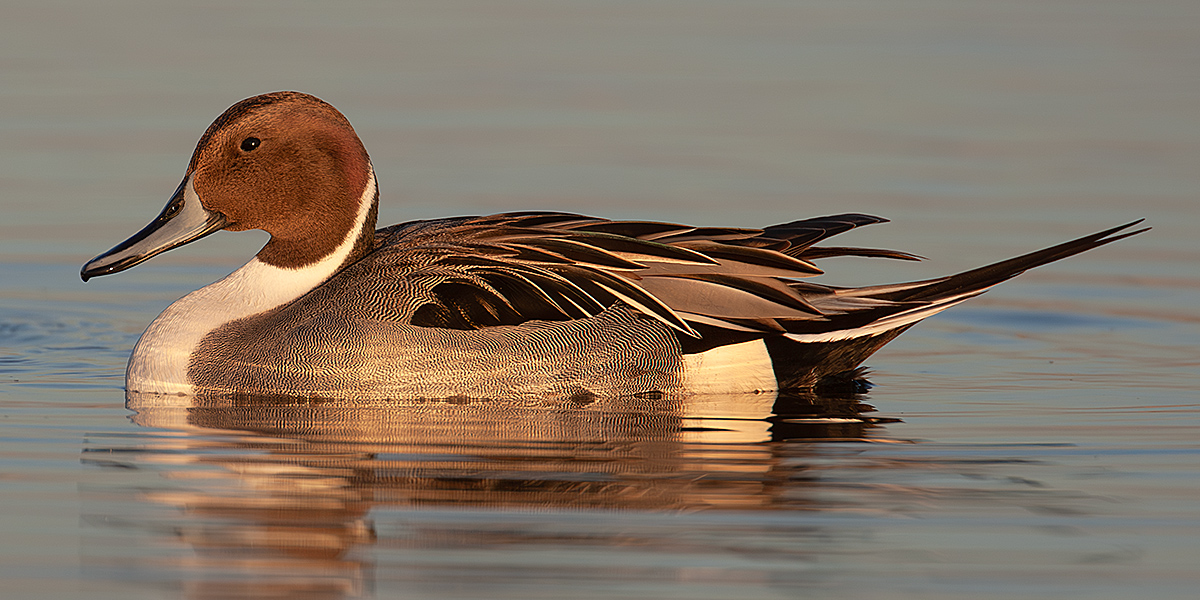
x: 160, y: 359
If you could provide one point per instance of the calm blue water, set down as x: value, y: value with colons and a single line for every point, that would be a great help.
x: 1040, y: 441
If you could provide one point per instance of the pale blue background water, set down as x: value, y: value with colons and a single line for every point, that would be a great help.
x: 1049, y: 437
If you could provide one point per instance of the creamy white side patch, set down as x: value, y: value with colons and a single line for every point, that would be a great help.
x: 733, y: 369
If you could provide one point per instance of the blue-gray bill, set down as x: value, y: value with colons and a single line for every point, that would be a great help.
x: 183, y: 220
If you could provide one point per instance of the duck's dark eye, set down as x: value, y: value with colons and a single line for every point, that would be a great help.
x: 250, y: 143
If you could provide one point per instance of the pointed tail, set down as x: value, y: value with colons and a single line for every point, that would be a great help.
x: 977, y: 280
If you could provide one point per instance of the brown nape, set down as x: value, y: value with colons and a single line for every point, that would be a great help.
x: 301, y: 183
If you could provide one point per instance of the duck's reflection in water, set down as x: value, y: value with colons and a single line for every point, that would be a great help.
x: 284, y: 497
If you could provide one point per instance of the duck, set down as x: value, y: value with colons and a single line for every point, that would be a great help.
x: 520, y: 305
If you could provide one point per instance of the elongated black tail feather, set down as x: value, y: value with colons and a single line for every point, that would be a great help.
x: 990, y: 275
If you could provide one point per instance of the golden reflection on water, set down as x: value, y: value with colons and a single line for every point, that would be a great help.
x: 262, y: 497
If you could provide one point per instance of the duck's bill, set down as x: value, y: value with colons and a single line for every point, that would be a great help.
x: 183, y: 220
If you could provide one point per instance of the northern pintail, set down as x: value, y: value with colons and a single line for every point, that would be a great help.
x: 529, y: 304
